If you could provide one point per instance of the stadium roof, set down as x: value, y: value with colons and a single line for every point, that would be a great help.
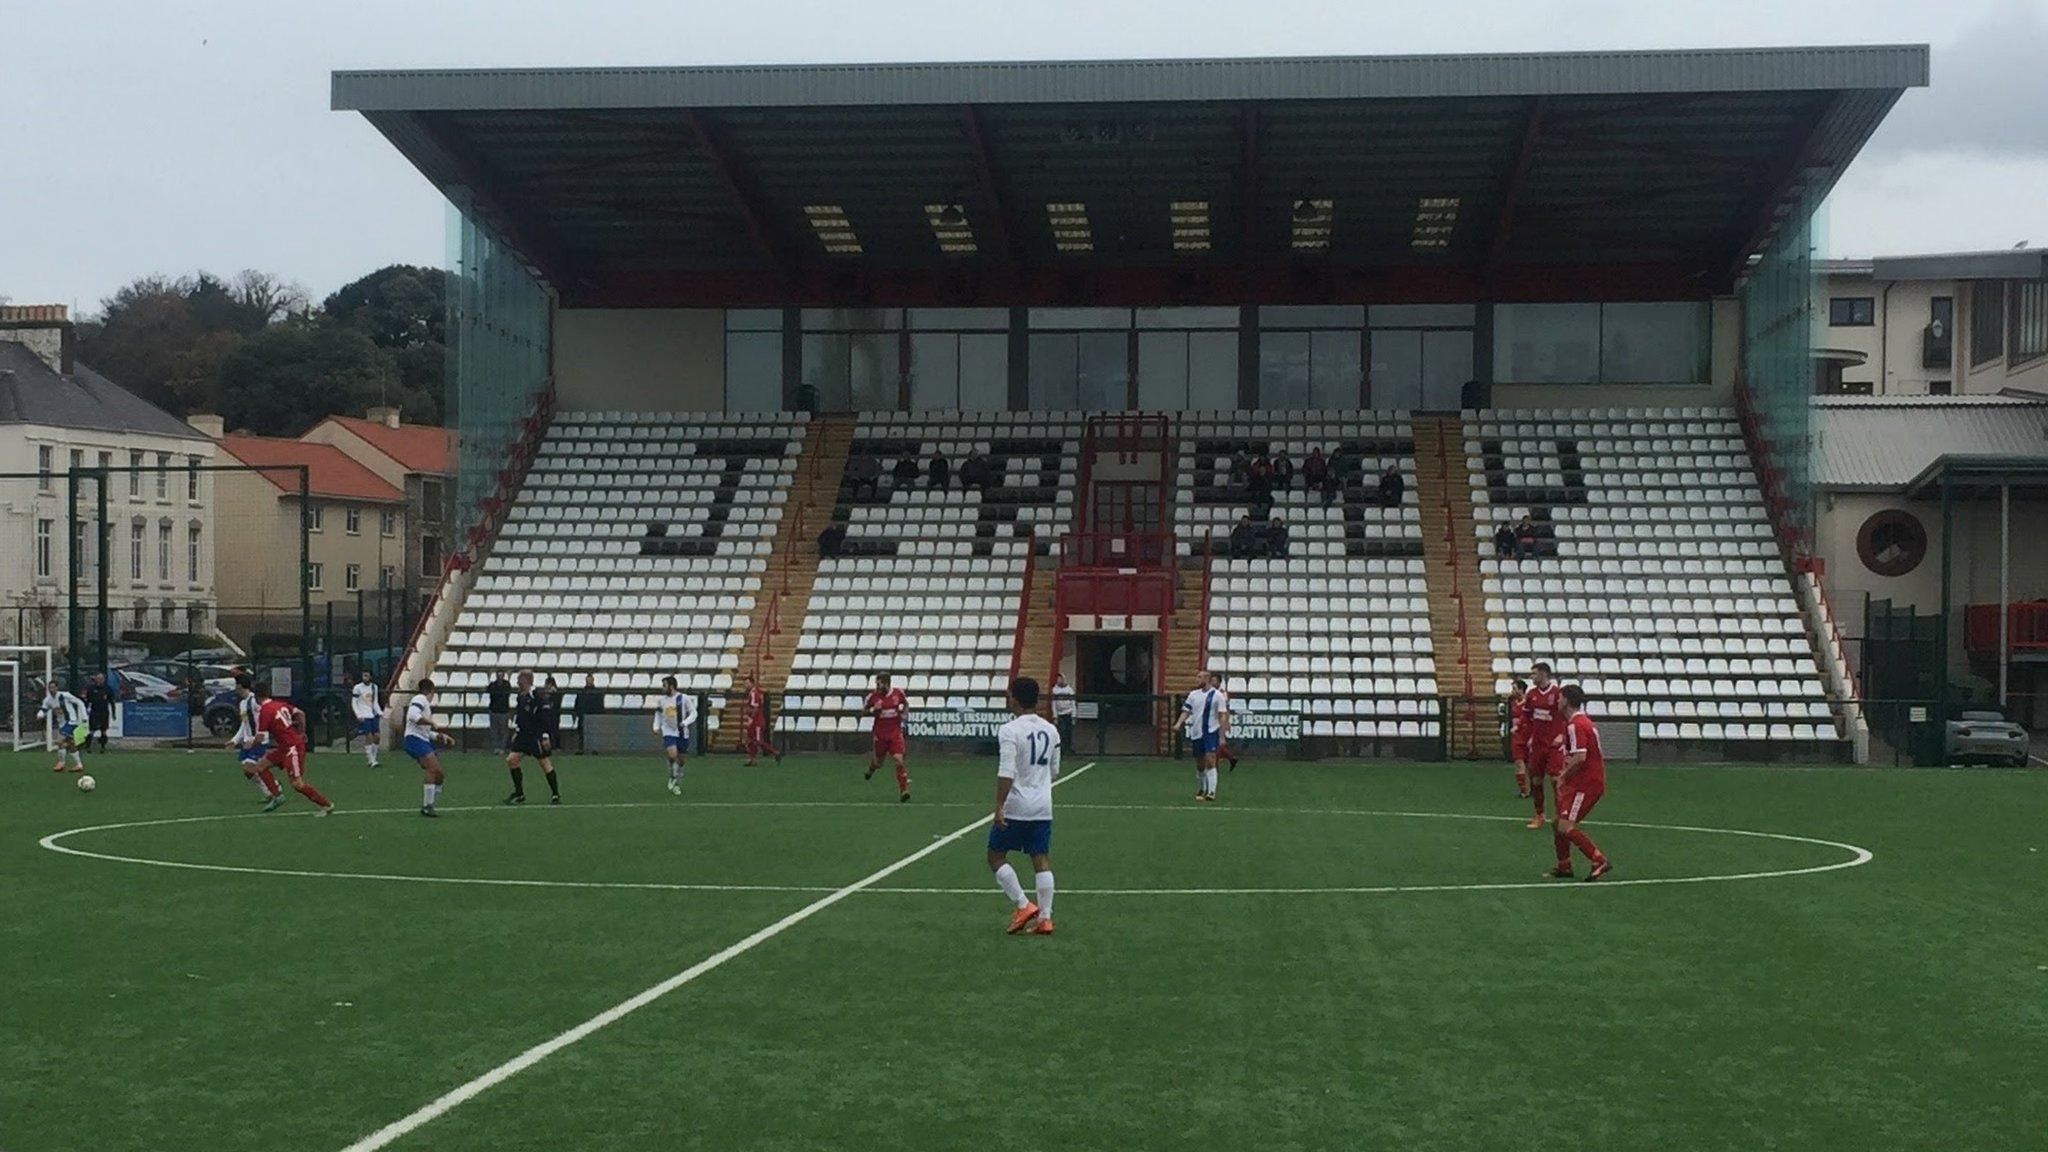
x: 330, y: 473
x: 1645, y: 174
x: 1885, y: 444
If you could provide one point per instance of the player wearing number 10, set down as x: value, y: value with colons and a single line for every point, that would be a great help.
x: 1029, y: 762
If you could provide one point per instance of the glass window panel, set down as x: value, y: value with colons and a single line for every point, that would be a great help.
x: 1312, y: 316
x: 958, y: 319
x: 1653, y: 343
x: 753, y: 320
x: 1334, y: 369
x: 1546, y: 343
x: 1396, y: 368
x: 753, y: 372
x: 1105, y: 371
x: 1446, y: 368
x: 985, y: 372
x: 1162, y: 371
x: 1187, y: 317
x: 877, y: 377
x: 1053, y: 382
x: 1284, y: 370
x: 934, y: 371
x: 1421, y: 315
x: 1212, y: 370
x: 825, y: 372
x: 852, y: 319
x: 1080, y: 318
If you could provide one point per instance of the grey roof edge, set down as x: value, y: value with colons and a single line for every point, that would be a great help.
x: 1999, y: 264
x: 1969, y: 463
x: 1832, y: 67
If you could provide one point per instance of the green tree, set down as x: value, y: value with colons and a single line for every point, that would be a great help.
x: 403, y: 309
x: 291, y: 375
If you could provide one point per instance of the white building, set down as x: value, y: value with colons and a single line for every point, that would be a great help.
x: 56, y: 416
x: 1950, y: 324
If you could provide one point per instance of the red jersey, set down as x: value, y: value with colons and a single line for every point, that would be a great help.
x: 1581, y: 736
x: 1543, y: 715
x: 755, y: 699
x: 888, y: 708
x: 1518, y: 727
x: 274, y: 719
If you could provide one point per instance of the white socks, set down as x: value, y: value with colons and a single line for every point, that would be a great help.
x: 675, y: 770
x: 261, y: 790
x: 77, y: 761
x: 370, y: 754
x: 1205, y: 781
x: 1044, y: 880
x: 1006, y: 879
x: 431, y: 794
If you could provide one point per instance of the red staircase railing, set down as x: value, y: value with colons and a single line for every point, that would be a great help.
x: 1024, y: 608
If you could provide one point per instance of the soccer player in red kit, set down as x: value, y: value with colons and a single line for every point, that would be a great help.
x: 1518, y: 735
x: 755, y: 728
x: 1543, y: 721
x: 286, y: 727
x: 888, y: 706
x: 1579, y: 787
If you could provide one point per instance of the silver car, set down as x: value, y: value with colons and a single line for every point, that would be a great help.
x: 1987, y: 736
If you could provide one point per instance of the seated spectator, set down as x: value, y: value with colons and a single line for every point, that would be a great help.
x: 1276, y: 539
x: 1392, y: 486
x: 1504, y: 540
x: 1343, y: 462
x: 1283, y: 471
x: 1244, y: 539
x: 831, y: 540
x: 976, y: 473
x: 865, y: 473
x: 906, y: 472
x: 1259, y: 476
x: 1240, y: 469
x: 1526, y: 540
x: 1315, y: 471
x: 941, y: 470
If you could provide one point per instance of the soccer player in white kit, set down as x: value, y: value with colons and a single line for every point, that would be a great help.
x: 1204, y: 712
x: 1028, y: 763
x: 369, y: 715
x: 675, y: 715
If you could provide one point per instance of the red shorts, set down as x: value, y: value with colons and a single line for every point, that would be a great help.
x: 1575, y: 804
x: 290, y: 757
x: 1544, y: 759
x: 888, y: 743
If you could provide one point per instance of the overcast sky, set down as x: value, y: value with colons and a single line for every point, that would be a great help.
x: 164, y: 137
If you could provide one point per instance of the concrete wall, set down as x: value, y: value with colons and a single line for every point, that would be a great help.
x: 1891, y: 344
x: 640, y: 359
x: 1725, y: 341
x: 258, y: 554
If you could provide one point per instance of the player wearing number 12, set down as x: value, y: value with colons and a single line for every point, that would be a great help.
x: 1028, y: 763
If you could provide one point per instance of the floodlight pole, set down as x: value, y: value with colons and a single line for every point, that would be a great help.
x: 103, y: 533
x: 2004, y: 589
x: 74, y: 631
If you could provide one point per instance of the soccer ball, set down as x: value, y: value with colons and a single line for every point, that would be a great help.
x: 87, y: 783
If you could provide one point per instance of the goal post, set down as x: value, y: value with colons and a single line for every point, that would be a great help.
x: 26, y: 669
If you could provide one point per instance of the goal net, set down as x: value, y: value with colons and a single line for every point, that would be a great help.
x: 24, y: 671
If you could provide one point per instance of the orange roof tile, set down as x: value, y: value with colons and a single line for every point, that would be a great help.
x: 330, y: 471
x: 416, y: 447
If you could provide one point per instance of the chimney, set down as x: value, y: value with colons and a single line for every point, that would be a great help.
x: 388, y: 417
x: 45, y: 329
x: 213, y: 426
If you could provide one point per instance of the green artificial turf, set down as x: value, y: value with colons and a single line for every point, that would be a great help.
x: 1900, y: 1004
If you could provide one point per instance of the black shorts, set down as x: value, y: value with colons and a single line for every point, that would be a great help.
x: 530, y: 744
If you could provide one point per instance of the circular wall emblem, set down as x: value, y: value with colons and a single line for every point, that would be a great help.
x: 1892, y: 542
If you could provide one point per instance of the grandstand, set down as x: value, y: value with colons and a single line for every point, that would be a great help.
x: 706, y: 314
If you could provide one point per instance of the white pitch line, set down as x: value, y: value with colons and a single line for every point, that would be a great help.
x: 443, y: 1104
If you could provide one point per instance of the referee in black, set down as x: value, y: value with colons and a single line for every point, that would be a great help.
x: 532, y: 736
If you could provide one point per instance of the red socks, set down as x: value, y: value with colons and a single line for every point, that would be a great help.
x: 902, y: 778
x: 269, y: 781
x: 1564, y: 848
x: 309, y: 792
x: 1583, y: 843
x: 1536, y: 790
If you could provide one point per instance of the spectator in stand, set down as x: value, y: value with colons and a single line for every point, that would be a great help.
x: 1259, y: 483
x: 975, y: 472
x: 498, y: 695
x: 1244, y: 539
x: 940, y: 470
x: 1063, y: 709
x: 865, y: 473
x: 1526, y: 540
x: 1276, y: 539
x: 1283, y: 471
x: 1315, y: 471
x: 1504, y: 540
x: 1342, y: 464
x: 1240, y: 469
x: 1392, y: 486
x: 832, y: 541
x: 905, y: 473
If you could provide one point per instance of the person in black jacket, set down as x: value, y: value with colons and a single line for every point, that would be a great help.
x: 905, y: 473
x: 531, y: 736
x: 589, y: 702
x: 99, y: 711
x: 499, y: 693
x: 941, y: 470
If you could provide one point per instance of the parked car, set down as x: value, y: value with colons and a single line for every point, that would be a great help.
x: 222, y: 714
x: 131, y: 683
x: 199, y: 680
x: 1984, y: 734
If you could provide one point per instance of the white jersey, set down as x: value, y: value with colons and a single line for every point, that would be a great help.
x: 419, y: 719
x: 1203, y: 711
x: 67, y: 709
x: 248, y: 735
x: 1029, y: 758
x: 363, y: 698
x: 676, y: 714
x: 1063, y: 699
